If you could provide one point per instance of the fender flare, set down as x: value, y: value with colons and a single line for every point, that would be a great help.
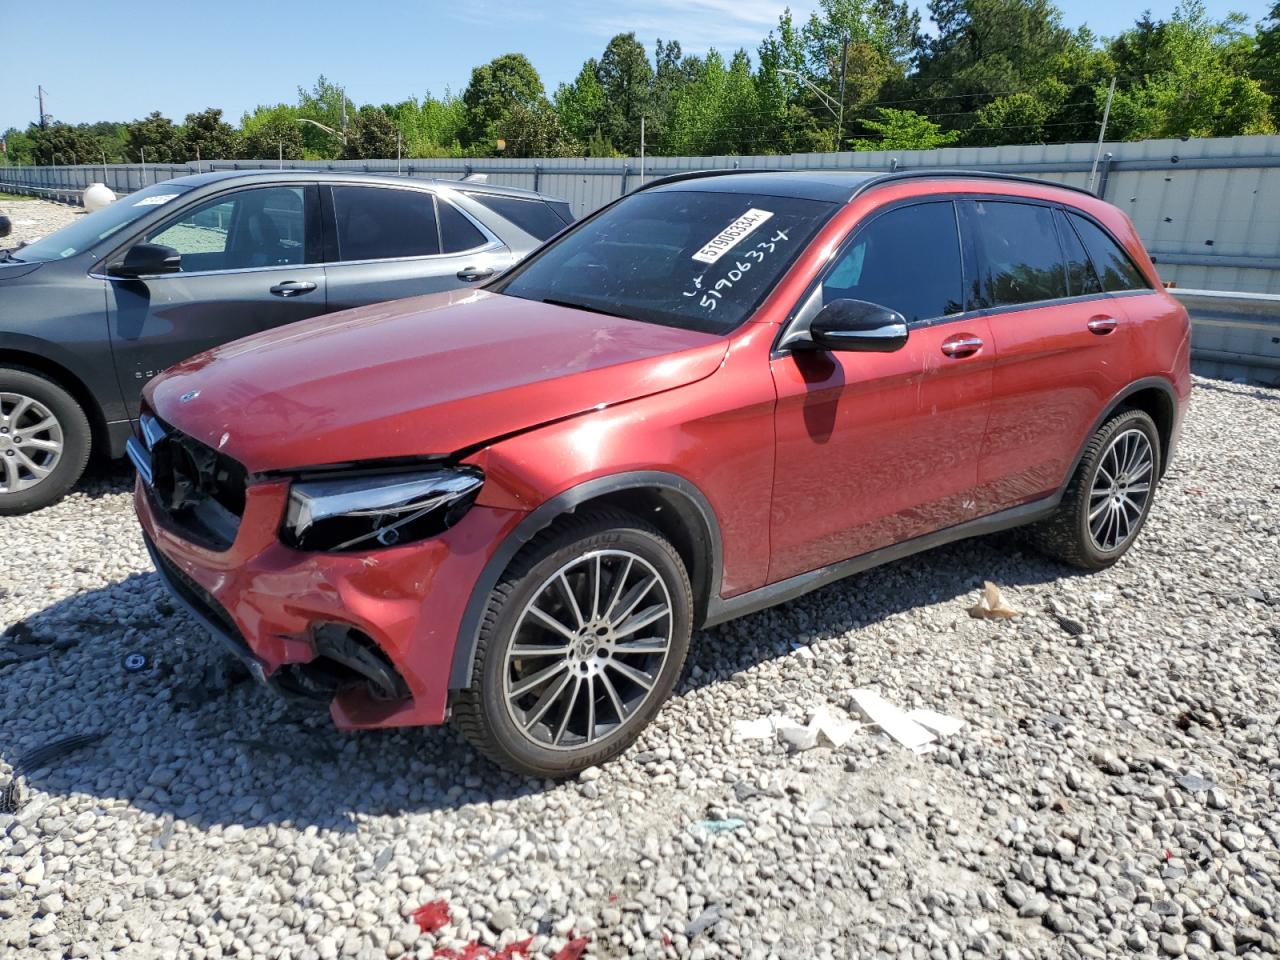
x: 1146, y: 383
x: 546, y: 514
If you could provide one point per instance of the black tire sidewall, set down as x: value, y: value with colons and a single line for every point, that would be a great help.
x: 519, y: 751
x: 76, y: 440
x: 1130, y: 420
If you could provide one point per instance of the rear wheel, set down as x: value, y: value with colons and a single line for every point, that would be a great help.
x: 1109, y: 497
x: 582, y: 641
x: 44, y: 441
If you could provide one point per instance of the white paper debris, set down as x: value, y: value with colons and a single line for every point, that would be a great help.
x: 761, y: 729
x: 892, y: 720
x: 992, y: 604
x: 824, y: 726
x: 940, y: 723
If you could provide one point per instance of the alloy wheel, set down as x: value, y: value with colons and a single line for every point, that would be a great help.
x: 31, y: 442
x: 587, y: 649
x: 1121, y: 489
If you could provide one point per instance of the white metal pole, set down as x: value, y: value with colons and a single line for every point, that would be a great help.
x: 1102, y: 133
x: 642, y: 150
x: 397, y: 151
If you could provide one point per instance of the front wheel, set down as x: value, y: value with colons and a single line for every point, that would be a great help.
x: 1108, y: 499
x: 44, y: 441
x: 582, y: 641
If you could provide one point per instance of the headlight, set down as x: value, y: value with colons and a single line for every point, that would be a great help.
x: 377, y: 510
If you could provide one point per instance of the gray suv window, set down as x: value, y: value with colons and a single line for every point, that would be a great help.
x: 377, y: 223
x: 457, y: 233
x: 532, y: 216
x: 259, y: 227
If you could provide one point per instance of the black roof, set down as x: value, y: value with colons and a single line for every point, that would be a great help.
x: 293, y: 174
x: 836, y: 186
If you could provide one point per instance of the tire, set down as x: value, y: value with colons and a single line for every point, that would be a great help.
x: 544, y: 731
x: 37, y: 400
x: 1093, y: 528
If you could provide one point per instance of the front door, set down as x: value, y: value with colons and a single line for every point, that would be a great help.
x: 389, y: 242
x: 250, y: 261
x: 877, y: 448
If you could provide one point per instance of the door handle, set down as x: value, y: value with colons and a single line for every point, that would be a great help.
x: 293, y: 288
x: 962, y: 346
x: 1102, y: 325
x: 471, y: 274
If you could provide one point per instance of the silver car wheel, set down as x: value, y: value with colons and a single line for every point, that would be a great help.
x: 31, y: 442
x: 1121, y: 489
x: 587, y: 649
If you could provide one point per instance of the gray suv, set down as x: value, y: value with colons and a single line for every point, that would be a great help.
x: 92, y: 312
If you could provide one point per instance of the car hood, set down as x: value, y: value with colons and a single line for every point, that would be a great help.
x: 13, y: 269
x: 426, y: 376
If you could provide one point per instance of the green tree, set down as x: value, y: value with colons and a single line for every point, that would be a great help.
x: 61, y: 143
x: 1265, y: 66
x: 270, y: 133
x: 371, y: 135
x: 325, y: 103
x: 18, y: 148
x: 626, y: 77
x: 432, y: 127
x: 536, y: 131
x: 496, y: 88
x: 207, y: 136
x: 904, y: 130
x: 581, y: 105
x: 1190, y: 79
x: 714, y: 113
x: 154, y: 138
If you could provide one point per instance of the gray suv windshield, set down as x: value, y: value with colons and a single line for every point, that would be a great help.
x: 95, y: 227
x: 691, y: 259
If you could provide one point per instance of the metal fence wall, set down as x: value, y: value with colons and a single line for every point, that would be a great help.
x: 1208, y: 210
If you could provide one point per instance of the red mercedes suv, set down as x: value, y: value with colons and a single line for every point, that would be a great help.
x: 511, y: 506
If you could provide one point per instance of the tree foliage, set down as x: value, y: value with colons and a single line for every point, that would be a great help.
x: 986, y: 72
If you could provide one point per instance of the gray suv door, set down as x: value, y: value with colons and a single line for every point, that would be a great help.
x: 250, y: 261
x: 391, y: 242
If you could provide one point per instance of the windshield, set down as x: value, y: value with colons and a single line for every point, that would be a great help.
x: 701, y: 261
x: 90, y: 229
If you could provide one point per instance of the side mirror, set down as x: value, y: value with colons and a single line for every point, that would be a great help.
x: 855, y: 325
x: 146, y: 260
x: 6, y: 225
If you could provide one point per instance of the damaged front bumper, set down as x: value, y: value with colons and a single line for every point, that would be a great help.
x: 374, y: 633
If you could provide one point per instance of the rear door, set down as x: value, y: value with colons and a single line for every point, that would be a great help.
x: 387, y: 242
x: 1060, y: 345
x: 877, y: 448
x: 250, y: 261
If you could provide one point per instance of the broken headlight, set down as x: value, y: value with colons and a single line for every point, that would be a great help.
x: 377, y: 510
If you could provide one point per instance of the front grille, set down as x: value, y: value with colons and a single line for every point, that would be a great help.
x: 199, y: 491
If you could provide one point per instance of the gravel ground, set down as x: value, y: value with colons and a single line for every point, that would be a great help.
x: 1114, y: 793
x: 33, y: 219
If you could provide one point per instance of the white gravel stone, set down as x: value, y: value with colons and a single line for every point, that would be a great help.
x: 214, y: 820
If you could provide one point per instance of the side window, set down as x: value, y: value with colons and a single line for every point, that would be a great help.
x: 261, y: 227
x: 1112, y: 263
x: 532, y: 216
x: 1019, y: 257
x: 907, y: 259
x: 381, y: 223
x: 1082, y: 279
x: 457, y: 233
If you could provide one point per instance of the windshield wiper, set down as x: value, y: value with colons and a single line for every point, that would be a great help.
x: 583, y: 306
x: 6, y: 256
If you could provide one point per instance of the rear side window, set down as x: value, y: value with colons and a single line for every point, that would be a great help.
x: 1019, y: 257
x: 457, y: 233
x: 907, y: 259
x: 532, y: 216
x: 1112, y: 263
x: 376, y: 223
x: 1081, y: 277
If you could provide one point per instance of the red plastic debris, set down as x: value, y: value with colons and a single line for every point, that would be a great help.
x: 1168, y: 855
x: 512, y: 950
x: 432, y: 916
x: 477, y: 951
x: 572, y: 950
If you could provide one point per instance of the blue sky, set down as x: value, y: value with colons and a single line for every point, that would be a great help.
x: 100, y: 63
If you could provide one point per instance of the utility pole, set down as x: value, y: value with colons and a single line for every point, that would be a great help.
x: 397, y: 150
x: 1102, y: 133
x: 642, y: 149
x: 40, y: 96
x: 844, y: 64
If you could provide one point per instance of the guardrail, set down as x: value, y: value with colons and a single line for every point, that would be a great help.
x: 1234, y: 335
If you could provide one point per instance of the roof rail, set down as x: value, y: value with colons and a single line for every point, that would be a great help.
x: 950, y: 173
x: 875, y: 179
